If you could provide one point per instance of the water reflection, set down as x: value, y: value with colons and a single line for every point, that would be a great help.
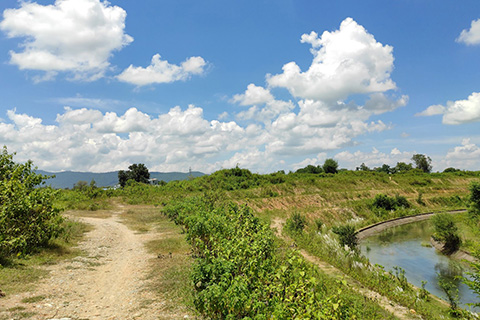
x: 408, y: 247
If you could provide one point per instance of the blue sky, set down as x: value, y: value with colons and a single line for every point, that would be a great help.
x: 88, y: 85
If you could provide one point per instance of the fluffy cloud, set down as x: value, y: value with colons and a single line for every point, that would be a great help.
x: 87, y: 139
x: 463, y: 157
x: 254, y: 95
x: 161, y: 71
x: 457, y: 112
x: 346, y: 62
x: 471, y: 36
x: 431, y: 111
x: 76, y: 36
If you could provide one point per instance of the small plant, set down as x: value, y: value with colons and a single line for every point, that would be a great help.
x: 319, y: 224
x: 296, y: 223
x: 451, y: 291
x: 347, y: 235
x: 474, y: 281
x: 402, y: 279
x: 423, y: 294
x: 420, y: 199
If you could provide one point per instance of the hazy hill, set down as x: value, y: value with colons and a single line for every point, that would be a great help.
x: 67, y: 179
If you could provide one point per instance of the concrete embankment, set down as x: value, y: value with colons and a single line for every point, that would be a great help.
x: 380, y: 226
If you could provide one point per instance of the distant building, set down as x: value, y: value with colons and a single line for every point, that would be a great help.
x: 153, y: 181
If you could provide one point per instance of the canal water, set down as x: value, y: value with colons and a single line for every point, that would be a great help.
x: 408, y: 247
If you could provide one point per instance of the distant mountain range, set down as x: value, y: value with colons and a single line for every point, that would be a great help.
x: 67, y: 179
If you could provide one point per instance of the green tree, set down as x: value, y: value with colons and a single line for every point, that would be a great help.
x: 310, y: 169
x: 384, y: 168
x: 363, y: 167
x: 422, y: 162
x: 402, y: 167
x: 330, y: 166
x: 80, y: 185
x: 27, y: 217
x: 138, y: 172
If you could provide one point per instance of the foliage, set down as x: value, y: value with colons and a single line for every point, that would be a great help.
x: 330, y: 166
x: 422, y: 162
x: 363, y: 167
x: 137, y: 172
x: 475, y: 199
x: 474, y: 281
x: 240, y: 274
x: 451, y: 169
x: 385, y: 168
x: 451, y: 291
x: 423, y: 294
x: 382, y: 201
x: 446, y: 231
x: 296, y: 223
x: 402, y: 167
x: 310, y: 169
x: 347, y: 235
x: 319, y: 224
x: 27, y: 217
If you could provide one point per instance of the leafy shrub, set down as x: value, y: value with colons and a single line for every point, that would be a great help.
x: 296, y: 223
x: 474, y: 209
x: 27, y: 217
x: 382, y: 201
x: 239, y: 272
x: 446, y: 231
x: 347, y: 235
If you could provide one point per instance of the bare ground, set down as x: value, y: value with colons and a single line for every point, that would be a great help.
x: 108, y: 282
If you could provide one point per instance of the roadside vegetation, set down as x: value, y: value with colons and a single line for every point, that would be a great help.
x: 32, y: 231
x: 224, y: 255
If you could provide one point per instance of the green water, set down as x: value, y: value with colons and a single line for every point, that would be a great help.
x: 408, y: 247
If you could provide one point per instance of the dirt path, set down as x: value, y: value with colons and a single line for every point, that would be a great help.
x: 397, y: 310
x: 107, y: 283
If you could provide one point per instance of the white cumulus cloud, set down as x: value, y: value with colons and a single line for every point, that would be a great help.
x: 472, y: 35
x: 464, y: 156
x: 346, y: 61
x: 161, y: 71
x: 457, y: 112
x: 253, y: 95
x: 76, y: 36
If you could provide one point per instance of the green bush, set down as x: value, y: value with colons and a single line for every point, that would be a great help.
x: 347, y: 235
x: 446, y: 231
x: 27, y: 217
x: 239, y: 272
x: 382, y: 201
x: 296, y: 223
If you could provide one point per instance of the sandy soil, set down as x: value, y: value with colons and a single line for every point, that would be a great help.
x: 109, y: 282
